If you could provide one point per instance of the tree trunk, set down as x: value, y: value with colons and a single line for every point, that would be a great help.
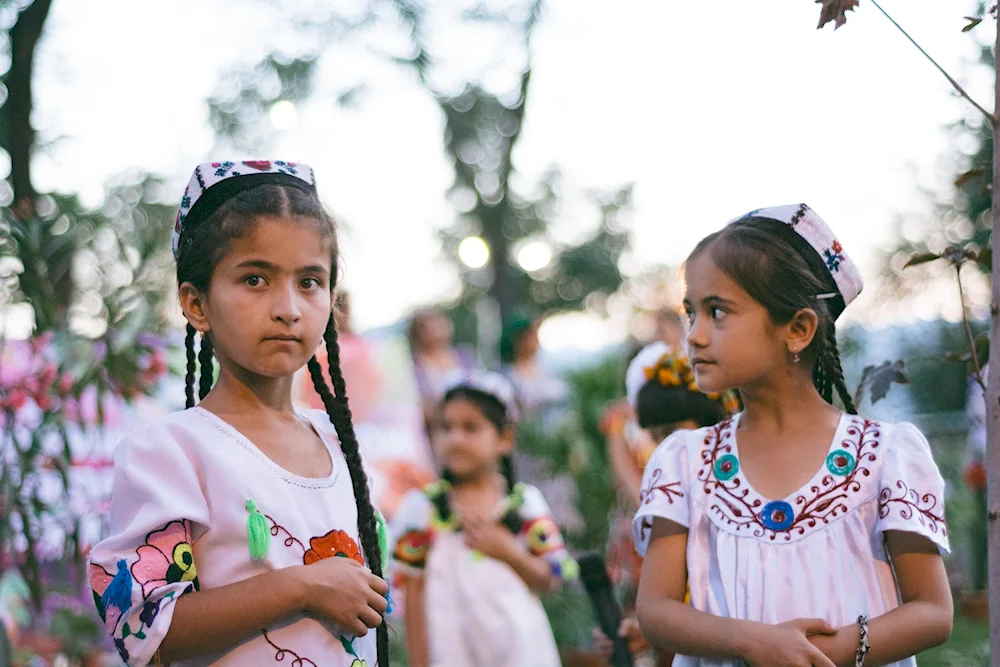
x: 20, y: 137
x: 993, y: 399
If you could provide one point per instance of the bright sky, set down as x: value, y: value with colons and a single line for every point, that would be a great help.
x: 712, y: 109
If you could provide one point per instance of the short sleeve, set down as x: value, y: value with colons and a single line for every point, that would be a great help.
x: 664, y: 491
x: 540, y: 534
x: 158, y: 509
x: 410, y: 533
x: 911, y: 496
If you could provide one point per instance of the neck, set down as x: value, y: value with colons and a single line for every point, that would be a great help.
x: 241, y: 391
x: 789, y: 400
x: 489, y: 480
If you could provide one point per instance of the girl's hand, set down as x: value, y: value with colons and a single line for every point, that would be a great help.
x: 788, y: 645
x: 345, y: 592
x: 489, y: 537
x: 629, y: 629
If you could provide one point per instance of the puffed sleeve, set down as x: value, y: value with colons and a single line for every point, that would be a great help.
x: 664, y: 490
x: 410, y: 533
x: 158, y: 510
x: 911, y: 496
x: 540, y: 534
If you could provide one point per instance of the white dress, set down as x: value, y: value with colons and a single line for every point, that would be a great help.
x: 479, y: 612
x: 818, y: 553
x: 179, y: 523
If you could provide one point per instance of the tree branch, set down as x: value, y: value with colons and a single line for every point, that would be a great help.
x: 968, y: 327
x: 20, y: 137
x: 951, y: 80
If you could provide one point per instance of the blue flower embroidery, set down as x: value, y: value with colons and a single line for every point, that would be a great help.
x: 777, y: 515
x: 726, y: 467
x: 840, y: 462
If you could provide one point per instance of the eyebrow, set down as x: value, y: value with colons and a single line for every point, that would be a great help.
x: 713, y: 299
x: 268, y: 266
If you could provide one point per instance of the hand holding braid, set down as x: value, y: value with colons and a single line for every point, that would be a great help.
x: 339, y: 411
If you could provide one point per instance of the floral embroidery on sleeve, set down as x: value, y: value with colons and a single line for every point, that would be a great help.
x: 166, y: 558
x: 909, y: 503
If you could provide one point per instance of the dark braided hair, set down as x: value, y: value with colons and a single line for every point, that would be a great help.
x: 189, y: 378
x: 496, y: 413
x: 207, y: 369
x: 756, y: 255
x: 200, y: 251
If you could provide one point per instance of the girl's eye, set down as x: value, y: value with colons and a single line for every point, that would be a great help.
x: 311, y: 283
x: 689, y: 314
x: 254, y: 280
x: 716, y: 313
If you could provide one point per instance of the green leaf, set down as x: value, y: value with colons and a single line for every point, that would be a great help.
x: 921, y: 258
x: 883, y: 377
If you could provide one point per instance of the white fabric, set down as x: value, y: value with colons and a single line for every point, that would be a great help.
x: 828, y: 559
x: 185, y: 479
x: 479, y: 611
x: 807, y: 223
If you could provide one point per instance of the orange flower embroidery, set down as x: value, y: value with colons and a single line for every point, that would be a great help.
x: 334, y: 543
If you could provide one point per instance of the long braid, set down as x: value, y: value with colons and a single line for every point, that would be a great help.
x: 207, y: 370
x: 367, y: 526
x: 512, y: 519
x: 189, y: 378
x: 837, y: 372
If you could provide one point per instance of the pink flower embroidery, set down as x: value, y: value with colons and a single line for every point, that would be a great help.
x: 166, y: 558
x: 100, y: 579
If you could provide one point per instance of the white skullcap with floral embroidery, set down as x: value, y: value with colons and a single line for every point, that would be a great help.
x: 214, y: 183
x: 493, y: 384
x: 821, y: 250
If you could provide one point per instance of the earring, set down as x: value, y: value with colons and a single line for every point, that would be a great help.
x: 795, y: 358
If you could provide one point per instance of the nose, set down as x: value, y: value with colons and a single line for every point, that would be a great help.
x: 285, y: 307
x: 697, y: 334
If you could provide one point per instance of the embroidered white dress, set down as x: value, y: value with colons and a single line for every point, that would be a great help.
x: 480, y: 613
x: 179, y: 523
x: 818, y: 553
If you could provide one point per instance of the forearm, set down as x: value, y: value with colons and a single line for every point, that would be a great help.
x: 534, y: 571
x: 903, y: 632
x: 416, y: 624
x: 215, y: 619
x: 680, y: 628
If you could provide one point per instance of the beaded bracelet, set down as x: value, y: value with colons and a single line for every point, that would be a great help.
x: 863, y: 646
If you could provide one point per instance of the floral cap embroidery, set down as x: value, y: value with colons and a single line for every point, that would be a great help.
x: 829, y: 252
x: 213, y: 183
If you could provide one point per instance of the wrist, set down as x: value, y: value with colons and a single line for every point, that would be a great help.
x: 292, y: 580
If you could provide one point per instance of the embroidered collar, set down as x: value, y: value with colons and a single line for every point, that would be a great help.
x: 845, y: 482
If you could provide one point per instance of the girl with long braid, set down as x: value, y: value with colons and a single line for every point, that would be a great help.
x: 808, y: 535
x: 478, y: 548
x: 242, y: 531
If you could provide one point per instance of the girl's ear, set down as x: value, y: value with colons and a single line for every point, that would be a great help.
x: 195, y: 307
x: 507, y: 439
x: 801, y: 330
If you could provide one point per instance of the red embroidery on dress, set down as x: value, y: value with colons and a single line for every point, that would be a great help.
x: 290, y: 540
x: 280, y: 653
x: 911, y: 503
x: 740, y: 507
x: 670, y: 490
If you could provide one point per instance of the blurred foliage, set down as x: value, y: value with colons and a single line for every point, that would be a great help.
x: 480, y: 132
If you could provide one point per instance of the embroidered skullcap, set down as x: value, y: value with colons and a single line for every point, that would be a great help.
x: 806, y: 232
x: 214, y: 183
x: 494, y: 385
x: 635, y: 374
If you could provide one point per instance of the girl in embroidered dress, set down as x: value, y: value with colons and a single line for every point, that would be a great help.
x: 476, y: 549
x: 190, y: 574
x: 793, y: 523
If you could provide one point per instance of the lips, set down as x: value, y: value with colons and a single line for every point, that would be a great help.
x: 287, y: 339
